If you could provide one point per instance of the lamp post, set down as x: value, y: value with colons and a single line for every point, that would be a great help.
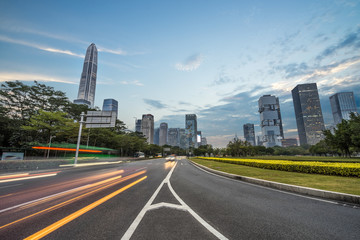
x: 48, y: 153
x: 79, y: 138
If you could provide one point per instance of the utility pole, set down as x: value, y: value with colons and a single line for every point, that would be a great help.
x: 79, y: 137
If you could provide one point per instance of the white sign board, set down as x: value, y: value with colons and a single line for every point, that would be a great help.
x: 100, y: 119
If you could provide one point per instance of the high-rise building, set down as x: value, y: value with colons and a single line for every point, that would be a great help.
x: 147, y: 127
x: 289, y: 142
x: 342, y: 104
x: 270, y: 121
x: 163, y: 134
x: 309, y: 118
x: 183, y: 139
x: 203, y: 141
x: 110, y: 105
x: 156, y: 136
x: 191, y: 130
x: 138, y: 125
x: 174, y: 137
x: 86, y: 94
x: 249, y: 133
x: 198, y: 138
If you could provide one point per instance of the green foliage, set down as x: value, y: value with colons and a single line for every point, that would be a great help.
x: 328, y: 168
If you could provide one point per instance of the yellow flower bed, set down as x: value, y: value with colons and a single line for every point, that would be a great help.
x: 328, y: 168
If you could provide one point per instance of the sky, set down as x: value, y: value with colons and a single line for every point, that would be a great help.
x: 169, y: 58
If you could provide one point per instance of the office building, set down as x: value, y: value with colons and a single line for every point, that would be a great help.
x: 203, y: 141
x: 309, y: 118
x: 249, y: 133
x: 183, y: 139
x: 163, y: 134
x: 147, y: 127
x: 198, y: 138
x: 289, y: 142
x: 174, y: 137
x: 270, y: 121
x: 156, y: 136
x: 110, y: 105
x: 191, y: 130
x: 86, y: 94
x: 342, y: 104
x: 138, y: 125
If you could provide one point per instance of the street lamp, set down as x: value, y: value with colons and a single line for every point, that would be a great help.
x: 51, y: 137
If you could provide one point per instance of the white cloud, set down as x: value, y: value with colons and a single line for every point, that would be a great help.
x: 34, y: 45
x: 190, y: 64
x: 117, y: 51
x: 135, y: 82
x: 6, y: 76
x: 219, y: 140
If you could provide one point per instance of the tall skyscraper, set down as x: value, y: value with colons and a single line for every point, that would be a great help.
x: 249, y: 133
x: 110, y: 105
x: 87, y: 85
x: 138, y: 125
x: 309, y: 118
x: 183, y: 139
x: 270, y: 121
x: 147, y: 127
x: 203, y: 141
x: 191, y: 130
x: 341, y: 105
x: 163, y: 134
x: 174, y: 137
x: 156, y: 136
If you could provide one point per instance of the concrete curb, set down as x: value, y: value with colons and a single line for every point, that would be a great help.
x: 343, y: 197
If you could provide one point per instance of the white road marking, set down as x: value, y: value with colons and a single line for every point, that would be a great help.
x: 12, y: 185
x: 183, y: 207
x: 276, y: 190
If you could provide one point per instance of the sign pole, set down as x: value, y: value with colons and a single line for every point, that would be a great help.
x: 79, y: 138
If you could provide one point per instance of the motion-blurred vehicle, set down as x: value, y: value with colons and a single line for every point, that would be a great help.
x: 170, y: 158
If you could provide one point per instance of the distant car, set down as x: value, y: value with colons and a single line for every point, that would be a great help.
x: 139, y: 155
x: 170, y: 158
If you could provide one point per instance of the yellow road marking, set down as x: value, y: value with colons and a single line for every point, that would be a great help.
x: 42, y: 233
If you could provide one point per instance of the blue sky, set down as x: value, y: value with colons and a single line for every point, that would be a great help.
x: 171, y: 58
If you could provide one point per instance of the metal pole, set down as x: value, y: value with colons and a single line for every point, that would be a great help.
x: 79, y: 137
x: 48, y: 153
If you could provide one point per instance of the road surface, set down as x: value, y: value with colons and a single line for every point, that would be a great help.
x: 155, y: 199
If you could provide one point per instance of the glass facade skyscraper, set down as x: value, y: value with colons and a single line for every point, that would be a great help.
x: 270, y: 121
x: 191, y: 130
x: 147, y: 127
x: 309, y: 118
x: 138, y: 125
x: 86, y: 94
x: 163, y: 134
x: 110, y: 105
x: 249, y: 133
x: 341, y: 105
x: 174, y: 137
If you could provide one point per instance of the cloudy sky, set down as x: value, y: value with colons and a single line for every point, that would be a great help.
x: 171, y: 58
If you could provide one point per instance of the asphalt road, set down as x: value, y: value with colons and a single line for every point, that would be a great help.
x: 155, y: 199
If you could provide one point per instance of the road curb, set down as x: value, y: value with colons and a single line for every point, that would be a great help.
x: 343, y: 197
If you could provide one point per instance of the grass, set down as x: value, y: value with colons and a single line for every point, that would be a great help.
x: 350, y: 185
x: 306, y: 158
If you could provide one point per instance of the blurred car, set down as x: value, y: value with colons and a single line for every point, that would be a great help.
x: 170, y: 158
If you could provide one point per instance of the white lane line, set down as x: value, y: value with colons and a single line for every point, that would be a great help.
x: 272, y: 189
x: 183, y: 207
x: 11, y: 185
x: 25, y: 178
x: 36, y: 200
x: 167, y: 205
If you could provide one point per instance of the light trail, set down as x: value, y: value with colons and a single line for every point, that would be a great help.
x: 42, y: 233
x: 74, y: 199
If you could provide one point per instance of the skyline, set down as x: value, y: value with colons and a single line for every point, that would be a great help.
x: 209, y: 58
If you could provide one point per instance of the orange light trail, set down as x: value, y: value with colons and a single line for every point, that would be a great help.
x: 67, y: 149
x: 76, y: 198
x: 42, y: 233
